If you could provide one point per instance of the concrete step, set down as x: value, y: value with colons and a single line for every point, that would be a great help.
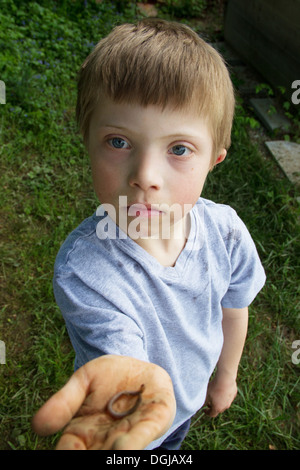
x: 287, y: 155
x: 266, y: 111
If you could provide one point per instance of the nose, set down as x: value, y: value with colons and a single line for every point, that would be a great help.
x: 146, y: 171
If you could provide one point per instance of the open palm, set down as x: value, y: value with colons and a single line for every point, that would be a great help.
x: 81, y: 406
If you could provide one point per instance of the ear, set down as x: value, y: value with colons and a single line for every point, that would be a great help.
x: 221, y: 157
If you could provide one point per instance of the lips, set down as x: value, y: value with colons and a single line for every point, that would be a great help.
x: 143, y: 209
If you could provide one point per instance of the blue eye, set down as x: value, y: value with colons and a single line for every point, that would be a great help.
x: 180, y: 150
x: 118, y: 143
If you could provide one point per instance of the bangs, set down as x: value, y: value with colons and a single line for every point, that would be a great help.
x: 151, y: 74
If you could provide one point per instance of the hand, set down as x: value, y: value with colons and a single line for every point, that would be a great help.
x: 221, y: 392
x: 82, y: 405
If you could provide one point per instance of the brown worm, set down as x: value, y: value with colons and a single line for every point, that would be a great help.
x: 121, y: 414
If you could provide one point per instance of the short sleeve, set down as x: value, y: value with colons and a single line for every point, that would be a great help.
x: 247, y: 273
x: 95, y: 326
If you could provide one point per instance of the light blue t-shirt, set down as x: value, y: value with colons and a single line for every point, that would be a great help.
x: 118, y: 299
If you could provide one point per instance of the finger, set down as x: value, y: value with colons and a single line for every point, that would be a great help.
x: 136, y: 434
x: 138, y: 437
x: 210, y: 410
x: 153, y: 425
x: 135, y: 439
x: 62, y: 406
x: 70, y: 442
x: 211, y: 413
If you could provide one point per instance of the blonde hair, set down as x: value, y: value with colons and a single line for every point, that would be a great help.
x: 155, y: 62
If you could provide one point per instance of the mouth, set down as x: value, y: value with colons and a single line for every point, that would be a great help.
x: 144, y: 210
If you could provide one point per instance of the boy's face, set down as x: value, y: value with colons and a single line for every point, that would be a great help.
x: 151, y: 157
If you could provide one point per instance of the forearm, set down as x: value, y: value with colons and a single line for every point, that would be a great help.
x: 235, y: 325
x: 222, y: 389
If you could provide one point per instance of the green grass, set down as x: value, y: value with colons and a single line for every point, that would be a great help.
x: 46, y: 191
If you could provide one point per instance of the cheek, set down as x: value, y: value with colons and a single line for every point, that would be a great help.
x: 188, y: 188
x: 106, y: 181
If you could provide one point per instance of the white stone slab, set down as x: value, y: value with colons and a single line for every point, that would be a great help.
x: 287, y: 154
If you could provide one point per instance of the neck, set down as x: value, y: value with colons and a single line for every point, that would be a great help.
x: 167, y: 250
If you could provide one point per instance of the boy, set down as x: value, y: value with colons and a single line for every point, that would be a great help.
x: 155, y: 286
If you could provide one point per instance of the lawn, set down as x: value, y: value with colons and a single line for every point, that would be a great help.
x: 46, y: 192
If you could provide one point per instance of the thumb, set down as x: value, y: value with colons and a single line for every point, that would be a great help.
x: 62, y: 406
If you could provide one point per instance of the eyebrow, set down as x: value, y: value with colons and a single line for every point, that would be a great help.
x: 183, y: 136
x: 171, y: 136
x: 115, y: 127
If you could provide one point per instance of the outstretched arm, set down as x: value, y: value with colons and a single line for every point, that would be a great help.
x: 93, y: 421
